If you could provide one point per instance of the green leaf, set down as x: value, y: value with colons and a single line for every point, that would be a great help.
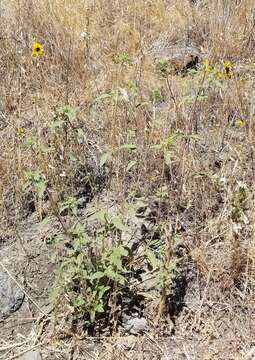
x: 116, y: 256
x: 157, y: 146
x: 131, y: 164
x: 142, y: 104
x: 47, y: 149
x: 70, y: 203
x: 80, y: 259
x: 57, y: 124
x: 97, y: 275
x: 45, y: 221
x: 100, y: 215
x: 80, y: 133
x: 110, y: 273
x: 202, y: 97
x: 72, y: 157
x: 99, y: 308
x: 167, y: 157
x: 105, y: 158
x: 113, y: 275
x: 128, y: 147
x: 102, y: 290
x: 121, y: 279
x: 78, y: 301
x: 41, y: 187
x: 30, y: 141
x: 118, y: 223
x: 152, y: 259
x: 68, y: 111
x: 103, y: 96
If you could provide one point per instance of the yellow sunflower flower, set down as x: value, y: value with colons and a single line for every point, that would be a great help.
x: 227, y: 69
x: 37, y: 49
x: 21, y: 131
x: 240, y: 123
x: 218, y: 73
x: 207, y: 67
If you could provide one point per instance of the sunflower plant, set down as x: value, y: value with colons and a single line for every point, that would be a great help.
x: 37, y: 49
x: 227, y: 69
x: 207, y: 67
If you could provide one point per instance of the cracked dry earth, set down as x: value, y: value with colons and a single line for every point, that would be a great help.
x: 205, y: 321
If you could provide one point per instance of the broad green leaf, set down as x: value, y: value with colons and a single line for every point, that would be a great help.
x: 116, y: 256
x: 118, y: 223
x: 79, y: 301
x: 97, y: 275
x: 100, y: 215
x: 110, y: 273
x: 99, y: 308
x: 152, y: 259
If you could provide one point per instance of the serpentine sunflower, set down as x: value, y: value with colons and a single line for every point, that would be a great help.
x: 37, y: 49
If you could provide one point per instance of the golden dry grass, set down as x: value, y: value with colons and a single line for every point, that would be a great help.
x: 204, y: 175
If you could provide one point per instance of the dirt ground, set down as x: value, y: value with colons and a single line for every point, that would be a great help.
x: 208, y: 325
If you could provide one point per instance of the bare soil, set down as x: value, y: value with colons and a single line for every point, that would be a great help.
x: 206, y: 322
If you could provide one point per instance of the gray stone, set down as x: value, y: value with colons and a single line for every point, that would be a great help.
x: 11, y: 296
x: 136, y: 325
x: 31, y: 355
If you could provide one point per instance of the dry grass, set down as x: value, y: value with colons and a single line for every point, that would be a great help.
x: 206, y: 175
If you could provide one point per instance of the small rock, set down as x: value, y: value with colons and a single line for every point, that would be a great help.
x: 136, y: 325
x: 11, y: 296
x: 180, y: 55
x: 31, y: 355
